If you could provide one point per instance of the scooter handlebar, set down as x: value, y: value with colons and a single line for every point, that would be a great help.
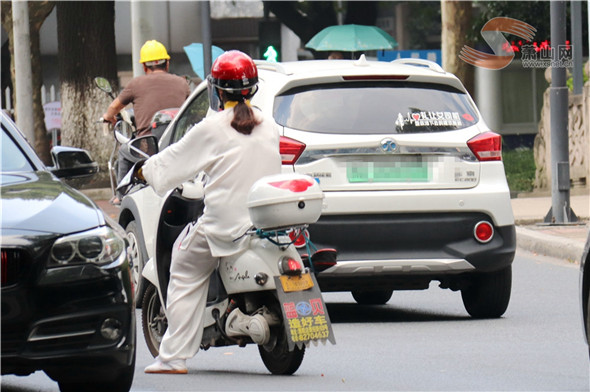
x: 132, y: 178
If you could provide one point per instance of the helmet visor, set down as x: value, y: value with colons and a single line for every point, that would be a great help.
x: 214, y: 100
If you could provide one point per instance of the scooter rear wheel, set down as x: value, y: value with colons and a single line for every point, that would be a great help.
x: 279, y: 360
x: 153, y: 320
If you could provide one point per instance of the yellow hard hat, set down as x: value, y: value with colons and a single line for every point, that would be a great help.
x: 153, y: 51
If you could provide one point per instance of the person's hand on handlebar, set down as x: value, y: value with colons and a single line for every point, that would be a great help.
x: 114, y: 108
x: 138, y: 173
x: 106, y: 119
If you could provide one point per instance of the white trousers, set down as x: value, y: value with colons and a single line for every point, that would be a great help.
x: 191, y: 267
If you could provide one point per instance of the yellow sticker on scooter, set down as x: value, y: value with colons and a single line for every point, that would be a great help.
x: 296, y: 283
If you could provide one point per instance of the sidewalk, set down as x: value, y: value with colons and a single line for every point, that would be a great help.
x: 559, y: 241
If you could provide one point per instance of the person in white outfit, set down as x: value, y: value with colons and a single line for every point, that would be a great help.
x: 234, y: 148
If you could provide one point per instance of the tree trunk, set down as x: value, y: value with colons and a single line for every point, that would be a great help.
x: 38, y: 12
x: 456, y: 24
x: 86, y: 46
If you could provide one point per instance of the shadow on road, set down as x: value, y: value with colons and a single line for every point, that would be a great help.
x: 354, y: 313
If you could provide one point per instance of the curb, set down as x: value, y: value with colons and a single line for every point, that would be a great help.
x: 549, y: 245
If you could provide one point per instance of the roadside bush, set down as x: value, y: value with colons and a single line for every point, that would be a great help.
x: 519, y: 165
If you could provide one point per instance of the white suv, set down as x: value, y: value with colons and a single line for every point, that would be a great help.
x: 413, y: 179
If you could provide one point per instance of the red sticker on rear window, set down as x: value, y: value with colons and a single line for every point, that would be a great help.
x: 468, y: 117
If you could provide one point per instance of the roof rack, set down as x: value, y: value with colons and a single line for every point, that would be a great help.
x: 421, y: 63
x: 277, y: 67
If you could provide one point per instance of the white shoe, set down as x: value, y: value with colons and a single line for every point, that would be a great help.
x: 176, y: 366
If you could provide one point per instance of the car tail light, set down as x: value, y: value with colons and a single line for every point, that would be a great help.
x: 487, y: 146
x: 290, y: 150
x: 483, y: 232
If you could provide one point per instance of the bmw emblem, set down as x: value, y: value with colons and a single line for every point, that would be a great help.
x: 388, y: 145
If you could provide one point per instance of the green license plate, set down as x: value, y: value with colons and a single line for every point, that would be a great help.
x: 409, y: 171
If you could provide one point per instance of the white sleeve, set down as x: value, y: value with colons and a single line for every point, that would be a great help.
x: 181, y: 161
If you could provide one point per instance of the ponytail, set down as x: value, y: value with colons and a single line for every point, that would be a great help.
x: 244, y: 120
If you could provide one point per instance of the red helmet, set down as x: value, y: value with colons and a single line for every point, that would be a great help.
x: 234, y: 72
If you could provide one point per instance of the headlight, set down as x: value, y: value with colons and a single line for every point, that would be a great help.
x: 99, y: 246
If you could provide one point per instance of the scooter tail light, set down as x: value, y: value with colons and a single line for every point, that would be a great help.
x: 290, y: 266
x: 483, y: 232
x: 486, y: 146
x: 290, y: 150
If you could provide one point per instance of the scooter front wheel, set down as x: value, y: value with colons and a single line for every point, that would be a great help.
x: 279, y: 360
x: 153, y: 319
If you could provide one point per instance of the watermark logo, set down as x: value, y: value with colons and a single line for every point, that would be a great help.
x: 492, y: 33
x: 546, y: 56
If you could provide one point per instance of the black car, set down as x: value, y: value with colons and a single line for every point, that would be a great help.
x: 67, y: 297
x: 585, y: 290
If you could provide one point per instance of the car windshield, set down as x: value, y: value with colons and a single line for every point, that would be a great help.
x: 375, y: 108
x: 13, y: 159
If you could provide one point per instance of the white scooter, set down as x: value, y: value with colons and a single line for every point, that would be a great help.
x: 265, y: 295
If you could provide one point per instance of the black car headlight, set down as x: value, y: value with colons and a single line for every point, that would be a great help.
x: 100, y: 246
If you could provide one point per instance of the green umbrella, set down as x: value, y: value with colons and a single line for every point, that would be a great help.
x: 351, y: 38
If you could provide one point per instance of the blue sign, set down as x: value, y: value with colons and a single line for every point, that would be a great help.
x: 429, y: 54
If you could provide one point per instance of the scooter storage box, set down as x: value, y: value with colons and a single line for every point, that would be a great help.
x: 284, y: 200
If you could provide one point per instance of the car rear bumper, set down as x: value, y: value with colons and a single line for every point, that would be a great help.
x: 382, y: 248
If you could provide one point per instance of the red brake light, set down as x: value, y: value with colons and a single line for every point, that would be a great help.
x: 483, y: 231
x: 487, y: 146
x: 294, y: 265
x: 289, y: 266
x: 290, y: 150
x: 376, y: 77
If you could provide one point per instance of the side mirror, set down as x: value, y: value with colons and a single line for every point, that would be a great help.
x: 123, y: 132
x: 70, y: 162
x: 141, y: 148
x: 103, y: 84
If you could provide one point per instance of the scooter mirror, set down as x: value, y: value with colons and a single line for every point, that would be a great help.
x: 143, y: 147
x: 122, y: 139
x: 125, y: 129
x: 103, y: 84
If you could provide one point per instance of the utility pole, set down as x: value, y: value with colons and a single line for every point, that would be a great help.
x: 206, y: 32
x: 576, y: 31
x: 142, y: 17
x: 561, y: 212
x: 22, y: 68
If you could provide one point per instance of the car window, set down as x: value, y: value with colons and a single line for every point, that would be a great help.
x: 375, y: 108
x: 13, y: 158
x: 194, y: 113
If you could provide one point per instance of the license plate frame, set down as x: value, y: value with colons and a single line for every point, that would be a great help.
x: 296, y: 283
x: 369, y: 171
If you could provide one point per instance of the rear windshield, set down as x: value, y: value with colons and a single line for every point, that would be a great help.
x: 374, y: 108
